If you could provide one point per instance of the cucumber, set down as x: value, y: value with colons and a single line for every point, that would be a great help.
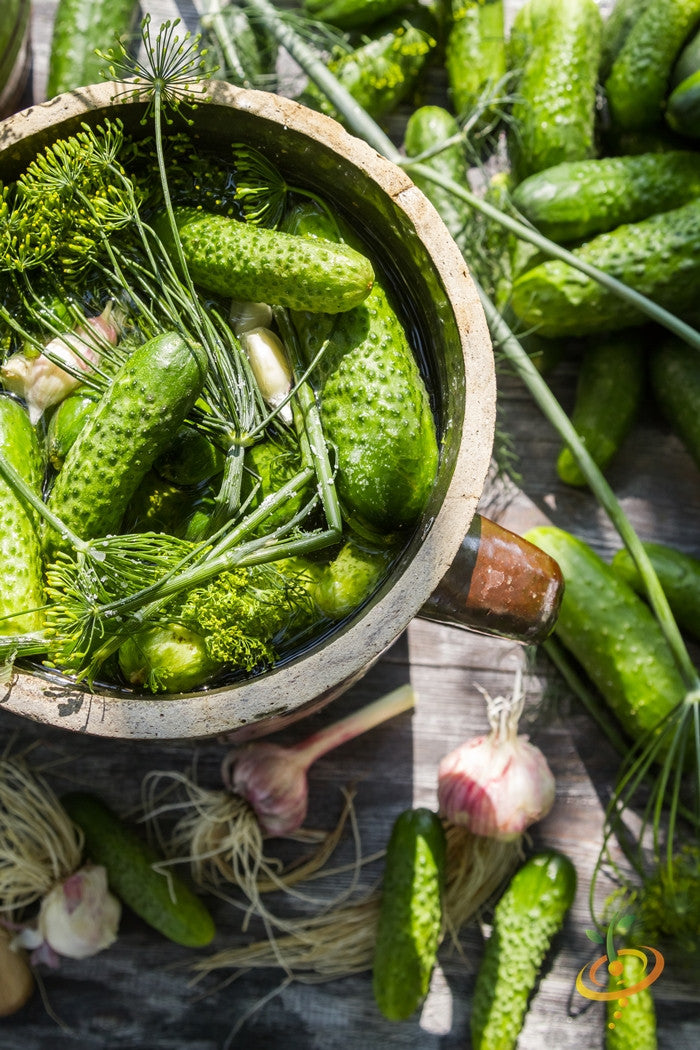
x: 66, y: 422
x: 133, y: 423
x: 409, y: 926
x: 683, y: 107
x: 675, y: 383
x: 658, y: 256
x: 346, y: 582
x: 160, y: 898
x: 679, y: 574
x: 374, y: 405
x: 426, y: 128
x: 352, y: 14
x: 189, y: 459
x: 22, y: 590
x: 616, y: 29
x: 475, y: 58
x: 247, y: 262
x: 639, y: 77
x: 631, y: 1017
x: 608, y: 396
x: 81, y: 26
x: 554, y: 53
x: 613, y: 635
x: 383, y: 70
x: 688, y: 62
x: 578, y: 199
x: 530, y: 912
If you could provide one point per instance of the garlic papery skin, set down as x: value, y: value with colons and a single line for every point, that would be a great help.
x: 268, y: 361
x: 79, y: 916
x: 245, y: 316
x: 499, y: 784
x: 47, y: 378
x: 273, y: 780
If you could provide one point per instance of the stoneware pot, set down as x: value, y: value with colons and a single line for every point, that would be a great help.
x: 497, y: 583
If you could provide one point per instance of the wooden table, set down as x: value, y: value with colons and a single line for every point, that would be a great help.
x: 139, y: 993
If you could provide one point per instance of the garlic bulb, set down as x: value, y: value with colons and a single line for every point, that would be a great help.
x: 79, y: 916
x: 499, y: 784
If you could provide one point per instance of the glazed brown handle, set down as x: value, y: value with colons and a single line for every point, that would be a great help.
x: 499, y: 584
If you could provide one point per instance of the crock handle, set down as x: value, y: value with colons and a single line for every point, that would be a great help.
x: 499, y: 584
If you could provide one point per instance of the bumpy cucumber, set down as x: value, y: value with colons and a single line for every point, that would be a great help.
x: 658, y: 256
x: 475, y: 55
x: 350, y: 578
x: 688, y: 62
x: 631, y: 1017
x: 683, y: 107
x: 410, y: 914
x: 613, y: 635
x: 189, y: 459
x: 639, y: 77
x: 22, y: 590
x: 131, y: 426
x: 578, y: 199
x: 383, y: 70
x: 608, y: 396
x: 675, y: 382
x: 352, y: 14
x: 428, y: 127
x: 616, y: 30
x: 375, y: 409
x: 554, y: 52
x: 679, y: 574
x: 160, y: 898
x: 248, y: 262
x: 530, y: 912
x: 68, y: 419
x: 81, y: 26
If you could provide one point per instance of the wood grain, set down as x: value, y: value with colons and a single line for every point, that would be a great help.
x: 139, y: 994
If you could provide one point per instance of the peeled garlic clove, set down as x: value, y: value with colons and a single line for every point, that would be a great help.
x: 245, y: 315
x: 79, y: 916
x: 268, y: 360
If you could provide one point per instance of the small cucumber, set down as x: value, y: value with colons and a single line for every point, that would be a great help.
x: 66, y: 422
x: 639, y: 77
x: 410, y: 913
x: 616, y: 30
x: 554, y: 53
x: 608, y: 396
x: 81, y: 26
x: 578, y: 199
x: 189, y: 459
x: 631, y: 1017
x: 613, y: 635
x: 683, y: 107
x: 679, y: 574
x: 133, y: 423
x: 428, y: 127
x: 658, y: 256
x: 247, y: 262
x: 375, y: 408
x: 383, y: 70
x: 674, y: 371
x: 688, y: 62
x: 475, y: 58
x: 347, y: 581
x: 352, y: 14
x: 20, y: 547
x: 160, y: 898
x: 530, y: 912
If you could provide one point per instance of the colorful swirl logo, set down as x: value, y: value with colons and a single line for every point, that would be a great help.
x: 591, y: 986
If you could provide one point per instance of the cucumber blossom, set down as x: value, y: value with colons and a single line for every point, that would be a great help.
x: 248, y: 262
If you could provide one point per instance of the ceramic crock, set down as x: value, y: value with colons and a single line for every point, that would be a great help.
x: 498, y: 582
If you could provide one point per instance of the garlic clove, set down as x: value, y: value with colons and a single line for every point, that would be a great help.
x: 246, y: 315
x: 79, y: 916
x: 268, y: 360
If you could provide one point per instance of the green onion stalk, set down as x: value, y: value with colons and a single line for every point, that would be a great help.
x: 679, y: 737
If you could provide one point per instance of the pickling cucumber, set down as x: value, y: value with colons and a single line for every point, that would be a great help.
x: 613, y: 635
x: 81, y: 26
x: 608, y: 396
x: 410, y: 913
x: 529, y: 913
x: 630, y: 1016
x: 429, y: 127
x: 679, y: 575
x: 374, y: 404
x: 683, y: 107
x: 616, y: 28
x: 160, y: 898
x: 578, y: 199
x: 22, y: 590
x: 475, y: 57
x: 554, y: 54
x: 352, y: 14
x: 658, y: 256
x: 132, y: 424
x: 674, y: 372
x: 247, y: 262
x: 688, y: 62
x: 67, y: 420
x: 639, y: 77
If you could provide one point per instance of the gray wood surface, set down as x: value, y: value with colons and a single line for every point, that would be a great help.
x: 139, y: 994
